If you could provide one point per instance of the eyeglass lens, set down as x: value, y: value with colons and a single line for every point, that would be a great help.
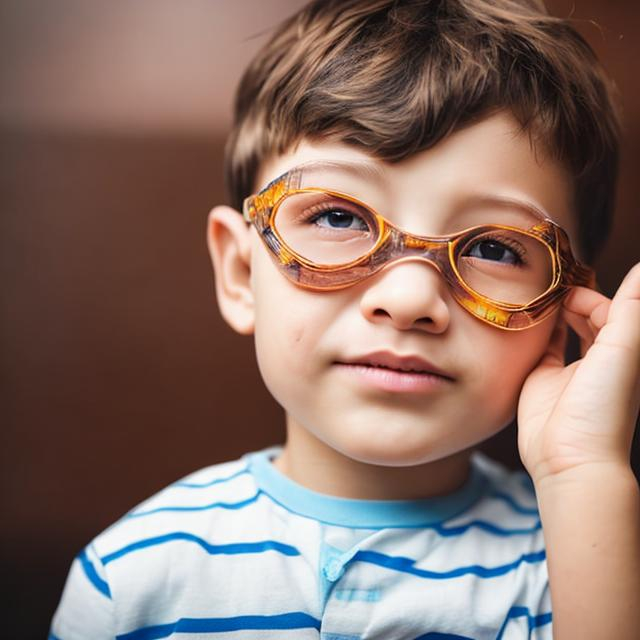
x: 501, y: 264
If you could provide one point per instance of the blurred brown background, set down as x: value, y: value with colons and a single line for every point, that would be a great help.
x: 118, y: 375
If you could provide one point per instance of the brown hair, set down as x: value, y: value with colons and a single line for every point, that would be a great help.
x: 396, y: 76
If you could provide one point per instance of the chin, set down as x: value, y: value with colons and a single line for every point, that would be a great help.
x: 395, y: 454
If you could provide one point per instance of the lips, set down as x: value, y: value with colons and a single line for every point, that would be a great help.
x: 396, y: 362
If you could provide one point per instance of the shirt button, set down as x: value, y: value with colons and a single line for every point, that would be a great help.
x: 333, y: 570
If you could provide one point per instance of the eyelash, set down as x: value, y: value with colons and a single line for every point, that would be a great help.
x: 512, y: 245
x: 311, y: 214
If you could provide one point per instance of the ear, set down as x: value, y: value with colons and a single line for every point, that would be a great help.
x: 229, y: 242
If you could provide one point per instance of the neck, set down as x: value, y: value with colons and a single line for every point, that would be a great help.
x: 315, y: 465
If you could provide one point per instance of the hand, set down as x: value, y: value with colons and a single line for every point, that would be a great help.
x: 585, y: 413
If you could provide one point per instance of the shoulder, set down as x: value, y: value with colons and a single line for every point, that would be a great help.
x: 142, y: 560
x: 499, y: 539
x: 505, y: 485
x: 503, y: 523
x: 506, y: 509
x: 190, y: 506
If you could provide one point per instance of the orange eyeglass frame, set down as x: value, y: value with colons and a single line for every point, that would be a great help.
x: 394, y: 244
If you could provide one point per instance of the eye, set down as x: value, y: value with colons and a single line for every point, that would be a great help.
x: 495, y: 250
x: 337, y: 219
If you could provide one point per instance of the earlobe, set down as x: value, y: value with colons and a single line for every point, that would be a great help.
x: 228, y: 239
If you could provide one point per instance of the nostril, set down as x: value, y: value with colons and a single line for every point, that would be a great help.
x: 381, y: 313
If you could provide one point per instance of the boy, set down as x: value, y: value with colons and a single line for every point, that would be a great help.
x: 403, y: 266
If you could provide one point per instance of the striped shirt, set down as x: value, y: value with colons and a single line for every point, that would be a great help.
x: 238, y: 550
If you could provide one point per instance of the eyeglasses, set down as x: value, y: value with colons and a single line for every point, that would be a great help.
x: 511, y: 276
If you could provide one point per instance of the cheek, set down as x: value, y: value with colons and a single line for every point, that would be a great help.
x: 289, y: 323
x: 501, y: 363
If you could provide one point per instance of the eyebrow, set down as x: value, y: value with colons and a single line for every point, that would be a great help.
x: 360, y: 168
x: 370, y: 170
x: 514, y: 203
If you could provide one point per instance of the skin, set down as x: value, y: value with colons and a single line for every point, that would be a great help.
x: 575, y: 422
x: 358, y: 443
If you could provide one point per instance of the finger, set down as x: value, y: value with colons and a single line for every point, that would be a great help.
x: 586, y: 330
x: 582, y: 326
x: 589, y: 304
x: 622, y: 328
x: 627, y: 297
x: 630, y: 285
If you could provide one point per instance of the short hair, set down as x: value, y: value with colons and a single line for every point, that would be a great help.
x: 394, y: 77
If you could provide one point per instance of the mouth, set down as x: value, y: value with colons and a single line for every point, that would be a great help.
x: 398, y: 363
x: 393, y: 372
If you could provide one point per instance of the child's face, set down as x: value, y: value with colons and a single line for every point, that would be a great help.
x: 306, y: 339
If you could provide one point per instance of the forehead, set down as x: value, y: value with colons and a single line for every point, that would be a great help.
x: 489, y: 160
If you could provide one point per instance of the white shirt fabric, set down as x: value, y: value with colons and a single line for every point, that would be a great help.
x: 237, y: 551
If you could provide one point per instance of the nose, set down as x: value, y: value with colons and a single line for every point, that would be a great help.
x: 408, y: 295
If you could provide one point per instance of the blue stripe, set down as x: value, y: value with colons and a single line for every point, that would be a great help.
x: 518, y: 508
x: 294, y: 620
x: 213, y: 549
x: 533, y: 621
x: 196, y: 485
x: 527, y: 484
x: 434, y: 635
x: 405, y: 565
x: 52, y: 637
x: 486, y: 526
x: 205, y: 507
x: 92, y: 574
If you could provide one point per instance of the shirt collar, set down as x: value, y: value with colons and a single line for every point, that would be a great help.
x: 367, y: 514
